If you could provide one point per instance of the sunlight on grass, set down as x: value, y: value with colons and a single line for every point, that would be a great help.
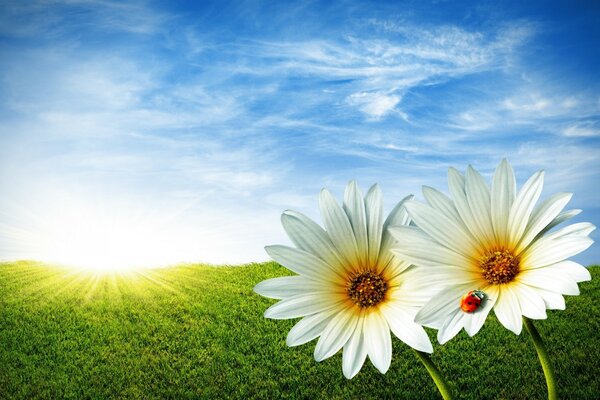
x: 56, y: 281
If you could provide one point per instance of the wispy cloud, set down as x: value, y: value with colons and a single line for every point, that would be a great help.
x: 583, y: 129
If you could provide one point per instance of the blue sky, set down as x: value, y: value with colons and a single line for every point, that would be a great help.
x: 180, y: 133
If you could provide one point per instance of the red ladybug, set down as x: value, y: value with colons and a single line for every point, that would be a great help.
x: 471, y: 301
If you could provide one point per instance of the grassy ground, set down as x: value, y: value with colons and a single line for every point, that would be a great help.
x: 198, y: 332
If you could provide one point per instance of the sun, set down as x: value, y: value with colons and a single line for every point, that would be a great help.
x: 101, y: 241
x: 101, y: 237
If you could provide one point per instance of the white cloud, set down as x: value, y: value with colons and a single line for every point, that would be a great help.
x: 374, y: 105
x: 55, y: 18
x: 378, y: 71
x: 582, y: 129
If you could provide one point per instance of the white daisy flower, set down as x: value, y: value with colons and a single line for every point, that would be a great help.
x: 350, y: 290
x: 492, y: 248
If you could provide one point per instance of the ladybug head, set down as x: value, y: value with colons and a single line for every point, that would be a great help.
x: 479, y: 294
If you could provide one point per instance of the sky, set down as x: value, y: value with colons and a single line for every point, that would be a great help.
x: 152, y: 133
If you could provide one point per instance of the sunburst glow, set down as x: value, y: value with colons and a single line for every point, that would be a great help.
x: 102, y: 236
x: 89, y: 239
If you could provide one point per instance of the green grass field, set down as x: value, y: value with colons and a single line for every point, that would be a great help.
x: 197, y: 331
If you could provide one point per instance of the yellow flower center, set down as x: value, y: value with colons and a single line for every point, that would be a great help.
x: 499, y: 266
x: 367, y: 289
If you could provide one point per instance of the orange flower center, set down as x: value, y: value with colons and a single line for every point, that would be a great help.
x: 367, y: 289
x: 499, y: 266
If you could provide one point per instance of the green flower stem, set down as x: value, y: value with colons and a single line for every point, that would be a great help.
x: 435, y: 374
x: 544, y: 359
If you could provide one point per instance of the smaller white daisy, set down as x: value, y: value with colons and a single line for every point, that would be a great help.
x: 350, y: 290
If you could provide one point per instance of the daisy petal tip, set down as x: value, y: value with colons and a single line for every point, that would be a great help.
x: 256, y: 288
x: 425, y: 347
x: 384, y: 369
x: 349, y: 375
x: 319, y: 356
x: 568, y: 195
x: 587, y: 277
x: 441, y: 339
x: 324, y: 192
x: 287, y: 214
x: 453, y: 172
x: 518, y: 331
x: 375, y: 186
x: 419, y: 318
x: 540, y: 174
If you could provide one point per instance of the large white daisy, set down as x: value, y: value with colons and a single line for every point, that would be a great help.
x: 350, y: 290
x: 495, y: 241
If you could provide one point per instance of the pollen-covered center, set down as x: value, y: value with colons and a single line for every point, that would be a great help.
x: 499, y: 266
x: 367, y: 289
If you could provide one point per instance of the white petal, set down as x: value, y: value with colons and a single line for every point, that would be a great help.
x: 577, y: 271
x: 459, y: 180
x: 310, y: 327
x: 301, y: 262
x: 355, y: 352
x: 442, y: 203
x: 395, y: 266
x: 457, y: 185
x: 415, y: 287
x: 523, y: 206
x: 354, y: 206
x: 531, y: 303
x: 437, y: 276
x: 287, y: 286
x: 562, y: 217
x: 307, y: 235
x: 402, y: 324
x: 416, y: 246
x: 378, y: 341
x: 374, y: 210
x: 578, y: 229
x: 553, y: 301
x: 440, y: 228
x: 548, y: 251
x: 302, y: 305
x: 478, y: 198
x: 338, y: 226
x: 452, y: 325
x: 442, y: 305
x: 476, y: 320
x: 335, y: 335
x: 398, y: 216
x: 553, y: 278
x: 508, y: 311
x: 502, y: 198
x: 542, y: 217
